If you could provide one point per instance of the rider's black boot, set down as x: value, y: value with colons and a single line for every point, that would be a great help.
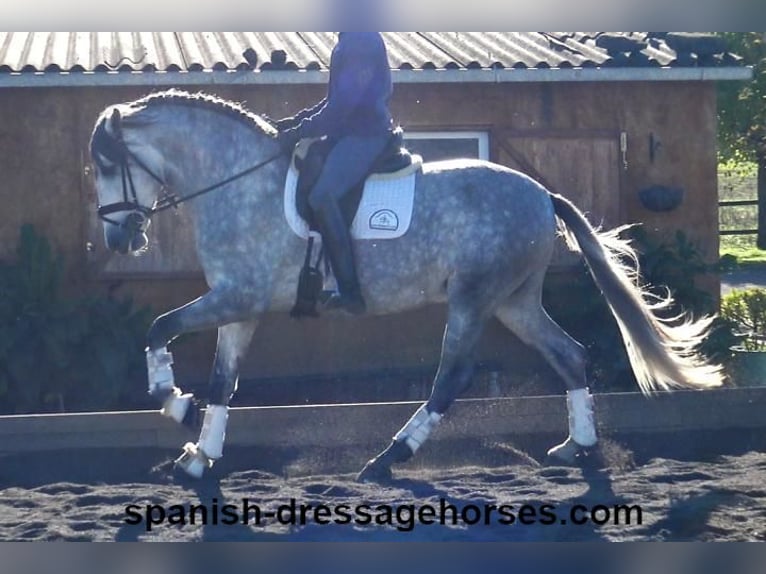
x: 337, y: 242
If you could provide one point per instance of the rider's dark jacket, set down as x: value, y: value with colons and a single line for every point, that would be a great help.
x: 358, y: 93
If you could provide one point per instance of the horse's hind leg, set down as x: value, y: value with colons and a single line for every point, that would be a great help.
x: 524, y: 315
x: 233, y: 341
x: 465, y: 322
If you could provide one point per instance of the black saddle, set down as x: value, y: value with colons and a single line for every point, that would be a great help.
x: 392, y: 159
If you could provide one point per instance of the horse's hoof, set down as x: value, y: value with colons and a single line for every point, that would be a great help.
x: 569, y: 453
x: 193, y: 461
x: 176, y: 405
x: 375, y: 471
x: 193, y: 417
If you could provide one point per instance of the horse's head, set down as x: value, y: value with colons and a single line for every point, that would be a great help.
x: 128, y: 178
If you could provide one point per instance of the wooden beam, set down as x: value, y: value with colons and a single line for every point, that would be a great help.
x: 375, y: 423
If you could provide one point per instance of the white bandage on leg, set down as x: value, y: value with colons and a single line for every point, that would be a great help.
x: 159, y: 368
x: 213, y: 431
x: 417, y: 429
x: 582, y: 429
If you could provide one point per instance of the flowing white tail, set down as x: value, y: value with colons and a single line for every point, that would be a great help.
x: 663, y: 353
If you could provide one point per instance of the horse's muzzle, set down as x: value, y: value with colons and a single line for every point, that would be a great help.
x: 122, y: 240
x: 117, y: 239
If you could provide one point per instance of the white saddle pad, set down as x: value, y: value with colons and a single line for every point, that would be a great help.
x: 385, y: 210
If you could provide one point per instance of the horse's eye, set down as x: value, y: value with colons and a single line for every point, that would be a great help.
x: 105, y: 167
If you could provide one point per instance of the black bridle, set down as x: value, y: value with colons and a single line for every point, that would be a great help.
x: 114, y: 148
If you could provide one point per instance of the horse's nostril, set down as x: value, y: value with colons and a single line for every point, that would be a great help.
x: 117, y: 240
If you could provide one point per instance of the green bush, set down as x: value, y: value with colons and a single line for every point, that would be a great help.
x: 674, y: 265
x: 747, y: 310
x: 60, y: 353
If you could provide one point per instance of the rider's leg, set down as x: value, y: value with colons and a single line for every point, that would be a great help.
x: 337, y: 241
x: 347, y: 164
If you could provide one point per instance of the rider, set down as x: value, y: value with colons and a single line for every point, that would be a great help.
x: 354, y: 115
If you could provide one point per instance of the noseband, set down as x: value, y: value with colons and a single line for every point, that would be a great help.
x: 114, y: 148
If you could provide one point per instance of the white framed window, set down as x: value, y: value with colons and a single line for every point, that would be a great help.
x: 439, y: 145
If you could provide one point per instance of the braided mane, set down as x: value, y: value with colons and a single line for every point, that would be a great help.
x: 179, y: 97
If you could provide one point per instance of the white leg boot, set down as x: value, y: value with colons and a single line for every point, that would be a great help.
x: 582, y: 429
x: 198, y: 457
x: 159, y: 366
x: 418, y: 428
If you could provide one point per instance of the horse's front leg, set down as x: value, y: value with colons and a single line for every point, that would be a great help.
x: 209, y: 311
x: 233, y: 341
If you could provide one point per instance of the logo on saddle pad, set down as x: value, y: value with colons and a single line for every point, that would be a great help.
x: 384, y: 212
x: 385, y: 220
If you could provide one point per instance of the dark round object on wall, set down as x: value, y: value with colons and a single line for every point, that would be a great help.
x: 661, y: 198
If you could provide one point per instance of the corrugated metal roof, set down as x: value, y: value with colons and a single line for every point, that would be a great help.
x: 25, y: 52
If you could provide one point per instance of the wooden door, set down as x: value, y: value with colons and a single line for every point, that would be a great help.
x: 583, y: 167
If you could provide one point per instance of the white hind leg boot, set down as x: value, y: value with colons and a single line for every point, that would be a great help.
x: 198, y: 457
x: 159, y: 366
x: 582, y: 428
x: 418, y: 428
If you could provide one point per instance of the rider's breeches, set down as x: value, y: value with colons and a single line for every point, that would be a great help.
x: 347, y: 164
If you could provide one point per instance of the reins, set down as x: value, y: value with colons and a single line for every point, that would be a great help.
x: 171, y: 200
x: 115, y: 149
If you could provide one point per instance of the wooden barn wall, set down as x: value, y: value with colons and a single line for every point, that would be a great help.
x: 44, y: 135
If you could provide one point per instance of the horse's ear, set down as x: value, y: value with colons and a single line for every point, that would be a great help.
x: 114, y: 123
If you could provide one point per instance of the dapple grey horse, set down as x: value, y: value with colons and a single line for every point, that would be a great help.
x: 481, y: 238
